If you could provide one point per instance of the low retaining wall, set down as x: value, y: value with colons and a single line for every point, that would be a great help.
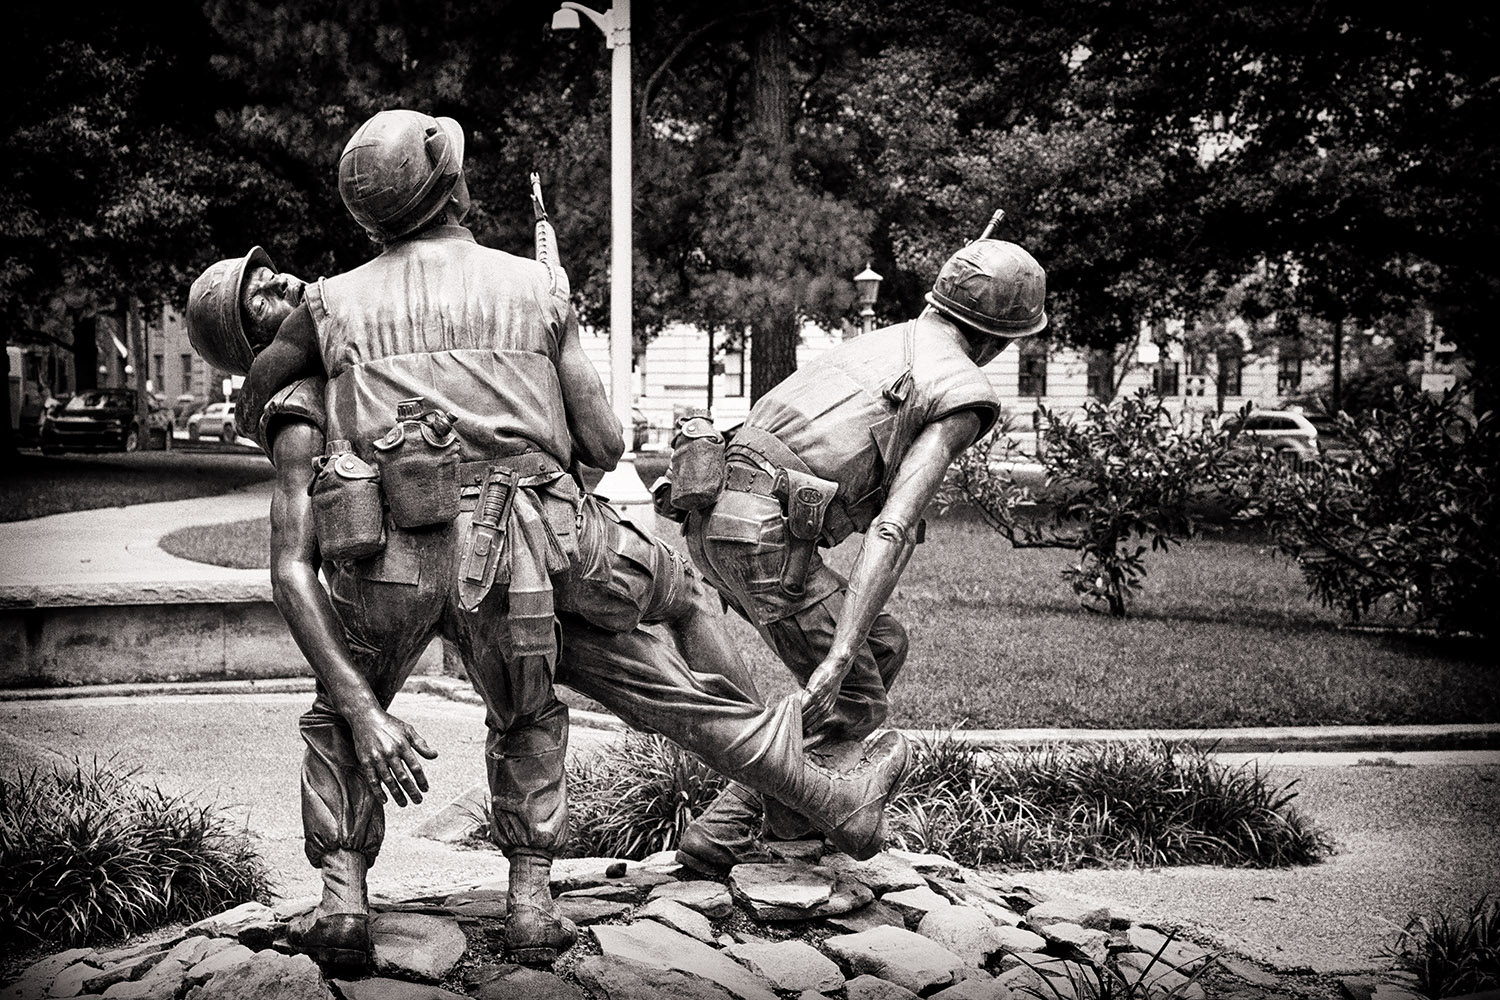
x: 134, y: 633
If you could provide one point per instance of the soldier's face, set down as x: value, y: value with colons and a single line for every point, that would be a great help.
x: 268, y: 298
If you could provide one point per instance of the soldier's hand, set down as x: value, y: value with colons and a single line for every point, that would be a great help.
x: 822, y: 691
x: 388, y: 750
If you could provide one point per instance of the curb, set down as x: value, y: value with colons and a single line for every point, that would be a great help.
x: 1453, y: 736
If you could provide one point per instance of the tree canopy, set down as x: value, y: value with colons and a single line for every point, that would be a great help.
x: 1152, y: 156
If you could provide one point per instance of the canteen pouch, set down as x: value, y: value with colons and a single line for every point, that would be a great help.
x: 418, y: 462
x: 804, y: 501
x: 346, y: 508
x: 697, y: 465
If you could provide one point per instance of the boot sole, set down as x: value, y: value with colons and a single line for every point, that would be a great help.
x: 343, y: 958
x: 700, y: 866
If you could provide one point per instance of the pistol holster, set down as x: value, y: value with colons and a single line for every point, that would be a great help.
x: 804, y: 501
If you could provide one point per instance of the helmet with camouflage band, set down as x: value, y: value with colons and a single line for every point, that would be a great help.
x: 399, y: 169
x: 235, y: 307
x: 993, y: 286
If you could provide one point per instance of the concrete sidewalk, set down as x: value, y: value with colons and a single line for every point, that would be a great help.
x: 117, y: 547
x: 1413, y: 830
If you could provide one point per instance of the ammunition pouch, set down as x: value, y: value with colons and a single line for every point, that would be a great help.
x: 696, y: 470
x: 804, y: 501
x: 418, y: 461
x: 480, y: 561
x: 346, y: 507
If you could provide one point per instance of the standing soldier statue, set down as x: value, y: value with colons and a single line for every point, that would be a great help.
x: 857, y: 441
x: 456, y: 395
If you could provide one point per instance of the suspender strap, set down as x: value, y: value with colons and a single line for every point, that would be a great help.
x: 767, y: 448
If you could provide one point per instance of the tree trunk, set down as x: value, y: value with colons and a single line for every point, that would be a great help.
x: 773, y: 345
x: 135, y: 325
x: 1338, y: 366
x: 85, y: 353
x: 773, y: 353
x: 771, y: 82
x: 8, y: 433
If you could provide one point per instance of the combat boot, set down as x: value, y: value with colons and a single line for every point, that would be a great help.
x: 534, y: 932
x: 337, y: 931
x: 848, y: 806
x: 782, y: 823
x: 726, y: 834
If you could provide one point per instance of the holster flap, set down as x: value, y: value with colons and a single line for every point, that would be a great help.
x: 804, y: 499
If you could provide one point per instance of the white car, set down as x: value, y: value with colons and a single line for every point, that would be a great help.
x: 216, y: 420
x: 1292, y: 437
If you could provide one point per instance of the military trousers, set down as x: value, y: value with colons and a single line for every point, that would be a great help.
x: 740, y: 546
x: 609, y: 650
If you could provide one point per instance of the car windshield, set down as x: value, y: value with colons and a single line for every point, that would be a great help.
x: 98, y: 399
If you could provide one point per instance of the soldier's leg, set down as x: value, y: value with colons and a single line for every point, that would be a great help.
x: 525, y: 758
x: 342, y: 817
x: 643, y: 677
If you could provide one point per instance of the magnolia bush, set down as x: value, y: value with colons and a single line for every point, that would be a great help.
x: 1411, y: 525
x: 1128, y: 476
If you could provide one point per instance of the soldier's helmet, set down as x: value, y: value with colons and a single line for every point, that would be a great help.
x: 216, y: 326
x: 995, y: 287
x: 398, y: 169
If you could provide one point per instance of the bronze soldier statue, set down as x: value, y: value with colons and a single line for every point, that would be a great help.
x: 857, y: 441
x: 507, y: 397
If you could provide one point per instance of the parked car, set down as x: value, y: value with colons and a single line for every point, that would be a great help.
x: 185, y: 406
x: 1293, y: 437
x: 216, y: 420
x: 105, y: 419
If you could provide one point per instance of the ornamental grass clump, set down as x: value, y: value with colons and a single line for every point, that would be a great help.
x: 87, y: 855
x: 1096, y: 805
x: 1452, y: 954
x: 636, y: 798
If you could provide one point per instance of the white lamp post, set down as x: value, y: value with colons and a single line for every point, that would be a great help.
x: 866, y: 291
x: 623, y: 485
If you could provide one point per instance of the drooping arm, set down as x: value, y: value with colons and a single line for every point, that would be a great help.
x: 597, y: 435
x: 387, y: 747
x: 887, y: 547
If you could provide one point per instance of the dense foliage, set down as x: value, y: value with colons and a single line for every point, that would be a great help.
x: 88, y: 855
x: 1452, y: 954
x: 1411, y: 525
x: 1098, y: 804
x: 636, y: 799
x: 1126, y: 472
x: 1152, y: 156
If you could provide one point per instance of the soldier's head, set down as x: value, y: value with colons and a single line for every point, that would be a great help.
x: 401, y: 170
x: 995, y: 292
x: 235, y: 308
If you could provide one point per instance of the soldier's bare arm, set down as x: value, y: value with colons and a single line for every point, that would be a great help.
x: 293, y: 354
x: 597, y: 436
x: 887, y: 547
x: 388, y: 749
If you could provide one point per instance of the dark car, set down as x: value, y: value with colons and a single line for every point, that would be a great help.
x: 104, y: 419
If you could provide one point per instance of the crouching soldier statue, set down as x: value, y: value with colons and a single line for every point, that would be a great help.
x: 421, y: 412
x: 857, y: 441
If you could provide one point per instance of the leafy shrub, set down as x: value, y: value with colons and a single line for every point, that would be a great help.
x: 637, y: 798
x: 87, y: 854
x: 1412, y: 524
x: 1453, y: 954
x: 1128, y: 472
x: 1098, y: 804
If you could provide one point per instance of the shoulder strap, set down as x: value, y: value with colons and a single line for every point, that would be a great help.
x: 900, y: 387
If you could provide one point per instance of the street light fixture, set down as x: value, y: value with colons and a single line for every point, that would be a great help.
x: 622, y: 485
x: 866, y: 291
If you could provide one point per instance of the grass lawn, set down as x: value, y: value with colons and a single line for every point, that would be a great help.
x: 33, y: 485
x: 1222, y: 636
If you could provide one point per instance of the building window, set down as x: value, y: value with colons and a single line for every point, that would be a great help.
x: 1288, y: 374
x: 734, y: 373
x: 1101, y: 376
x: 1231, y: 372
x: 159, y: 372
x: 187, y: 373
x: 1164, y: 378
x: 1032, y: 380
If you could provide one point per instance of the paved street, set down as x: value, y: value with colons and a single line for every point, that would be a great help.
x: 1413, y: 829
